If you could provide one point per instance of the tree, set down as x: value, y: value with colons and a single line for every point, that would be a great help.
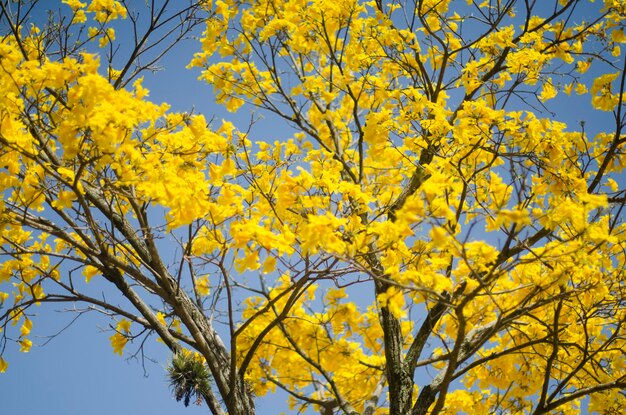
x: 434, y: 238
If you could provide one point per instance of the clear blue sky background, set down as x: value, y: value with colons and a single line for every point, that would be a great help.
x: 77, y: 372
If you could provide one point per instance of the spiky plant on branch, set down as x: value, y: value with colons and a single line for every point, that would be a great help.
x: 189, y: 377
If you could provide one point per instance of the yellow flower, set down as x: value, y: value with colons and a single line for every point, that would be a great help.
x: 66, y: 174
x: 118, y: 342
x: 26, y: 345
x: 202, y: 285
x: 618, y: 36
x: 26, y: 327
x: 438, y: 236
x: 74, y: 4
x: 64, y: 200
x: 119, y: 339
x: 583, y: 66
x: 89, y: 272
x: 80, y: 16
x: 581, y: 89
x: 269, y: 265
x: 393, y: 300
x: 603, y: 99
x: 161, y: 318
x: 124, y: 326
x: 548, y: 91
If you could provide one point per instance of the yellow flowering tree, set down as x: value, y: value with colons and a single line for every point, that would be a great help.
x: 440, y: 235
